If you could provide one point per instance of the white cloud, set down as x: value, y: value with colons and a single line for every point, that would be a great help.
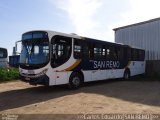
x: 92, y: 18
x: 97, y: 18
x: 81, y: 13
x: 140, y: 10
x: 145, y: 9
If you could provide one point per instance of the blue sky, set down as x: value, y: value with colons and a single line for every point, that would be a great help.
x: 90, y: 18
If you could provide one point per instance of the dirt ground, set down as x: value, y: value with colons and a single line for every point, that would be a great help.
x: 113, y: 96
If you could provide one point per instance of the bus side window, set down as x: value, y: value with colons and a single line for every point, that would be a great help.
x: 97, y: 51
x: 142, y: 55
x: 78, y: 51
x: 133, y: 53
x: 128, y: 51
x: 90, y: 50
x: 108, y: 52
x: 120, y: 53
x: 1, y: 54
x: 135, y: 56
x: 138, y: 55
x: 103, y: 52
x: 113, y: 55
x: 86, y: 51
x: 116, y: 53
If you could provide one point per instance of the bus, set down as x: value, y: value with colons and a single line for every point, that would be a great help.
x: 54, y: 58
x: 3, y: 57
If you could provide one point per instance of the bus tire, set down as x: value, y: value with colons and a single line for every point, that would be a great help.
x: 126, y: 74
x: 75, y: 81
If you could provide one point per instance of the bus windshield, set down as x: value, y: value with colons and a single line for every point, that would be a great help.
x: 34, y: 52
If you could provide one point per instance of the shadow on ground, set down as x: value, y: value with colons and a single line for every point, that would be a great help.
x: 140, y: 91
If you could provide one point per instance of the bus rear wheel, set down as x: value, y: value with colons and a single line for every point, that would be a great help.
x: 75, y: 81
x: 126, y: 74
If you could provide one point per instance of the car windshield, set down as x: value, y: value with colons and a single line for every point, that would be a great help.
x: 34, y: 52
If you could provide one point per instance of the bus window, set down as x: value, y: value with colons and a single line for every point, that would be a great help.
x: 141, y: 55
x: 135, y: 55
x: 78, y: 52
x: 113, y: 53
x: 36, y: 50
x: 86, y: 50
x: 138, y: 55
x: 116, y: 53
x: 61, y: 50
x: 90, y: 50
x: 1, y: 54
x: 103, y: 52
x: 120, y: 53
x: 108, y: 52
x: 128, y: 53
x: 97, y: 52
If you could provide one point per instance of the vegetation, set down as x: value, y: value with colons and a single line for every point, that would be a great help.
x: 7, y: 74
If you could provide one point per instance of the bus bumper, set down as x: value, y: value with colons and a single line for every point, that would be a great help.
x: 42, y: 80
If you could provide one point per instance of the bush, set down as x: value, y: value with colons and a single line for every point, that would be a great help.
x: 8, y: 74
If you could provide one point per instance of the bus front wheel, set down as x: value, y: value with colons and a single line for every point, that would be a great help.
x: 75, y: 81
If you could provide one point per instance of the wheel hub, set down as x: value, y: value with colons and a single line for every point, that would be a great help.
x: 76, y: 81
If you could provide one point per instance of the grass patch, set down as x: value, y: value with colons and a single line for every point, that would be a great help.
x: 8, y: 74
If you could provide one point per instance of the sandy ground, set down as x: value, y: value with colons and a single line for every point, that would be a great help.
x: 113, y: 96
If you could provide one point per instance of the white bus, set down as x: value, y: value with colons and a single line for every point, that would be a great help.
x: 3, y: 57
x: 53, y: 58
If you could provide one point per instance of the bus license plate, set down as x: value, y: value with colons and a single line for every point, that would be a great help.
x: 27, y: 78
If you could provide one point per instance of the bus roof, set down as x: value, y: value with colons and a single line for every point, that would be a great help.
x: 2, y: 48
x: 73, y: 35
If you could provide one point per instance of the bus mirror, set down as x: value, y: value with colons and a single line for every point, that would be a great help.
x: 17, y: 49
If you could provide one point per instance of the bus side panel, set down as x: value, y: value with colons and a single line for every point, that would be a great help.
x: 62, y: 77
x: 107, y: 74
x: 117, y: 73
x: 95, y: 75
x: 100, y: 74
x: 52, y: 77
x: 137, y: 67
x: 87, y: 76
